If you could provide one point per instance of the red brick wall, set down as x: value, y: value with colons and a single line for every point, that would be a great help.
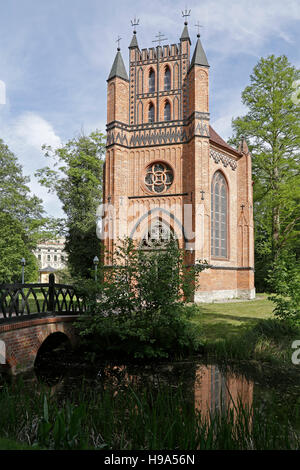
x: 23, y: 339
x: 190, y: 160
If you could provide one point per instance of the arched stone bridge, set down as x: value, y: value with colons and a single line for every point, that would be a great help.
x: 29, y: 315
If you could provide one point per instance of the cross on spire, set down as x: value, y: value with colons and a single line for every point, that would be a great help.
x: 198, y: 25
x: 160, y: 37
x: 185, y: 14
x: 118, y: 41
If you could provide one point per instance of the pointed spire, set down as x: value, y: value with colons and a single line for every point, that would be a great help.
x: 118, y: 68
x: 243, y: 147
x: 185, y: 33
x: 134, y: 42
x: 199, y: 57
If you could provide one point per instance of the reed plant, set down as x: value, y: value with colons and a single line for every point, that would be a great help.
x: 137, y: 418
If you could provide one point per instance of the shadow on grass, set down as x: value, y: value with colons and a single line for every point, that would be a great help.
x: 218, y: 326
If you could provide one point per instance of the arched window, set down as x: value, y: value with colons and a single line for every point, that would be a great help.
x: 219, y: 216
x: 151, y: 113
x: 157, y: 235
x: 167, y: 111
x: 151, y: 81
x: 167, y: 81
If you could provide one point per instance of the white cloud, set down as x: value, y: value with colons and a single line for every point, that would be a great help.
x: 35, y: 131
x: 25, y: 136
x: 243, y: 25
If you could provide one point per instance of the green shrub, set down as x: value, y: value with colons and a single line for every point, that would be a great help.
x: 138, y: 308
x: 284, y: 280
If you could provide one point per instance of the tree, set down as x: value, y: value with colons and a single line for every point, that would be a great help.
x: 77, y: 181
x: 21, y: 220
x: 271, y: 127
x: 13, y: 248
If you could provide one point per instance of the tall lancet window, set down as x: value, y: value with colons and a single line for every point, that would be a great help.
x: 219, y: 216
x: 151, y: 113
x: 151, y: 81
x: 167, y: 80
x: 167, y: 111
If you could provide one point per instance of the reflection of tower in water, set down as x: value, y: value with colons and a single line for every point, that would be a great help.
x: 215, y: 391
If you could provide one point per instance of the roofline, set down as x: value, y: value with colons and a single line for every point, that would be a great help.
x: 224, y: 148
x: 115, y: 76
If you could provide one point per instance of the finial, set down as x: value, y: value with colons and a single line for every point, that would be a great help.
x: 135, y: 22
x: 160, y: 37
x: 118, y: 41
x: 185, y: 14
x: 198, y: 25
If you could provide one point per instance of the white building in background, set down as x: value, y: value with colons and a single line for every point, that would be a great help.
x: 51, y: 257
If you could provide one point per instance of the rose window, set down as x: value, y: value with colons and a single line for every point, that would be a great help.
x: 159, y: 177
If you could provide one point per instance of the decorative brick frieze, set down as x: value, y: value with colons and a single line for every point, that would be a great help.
x: 225, y: 159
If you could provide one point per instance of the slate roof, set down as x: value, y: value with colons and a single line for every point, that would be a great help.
x: 199, y: 56
x: 216, y: 139
x: 134, y: 42
x: 118, y: 68
x: 185, y: 34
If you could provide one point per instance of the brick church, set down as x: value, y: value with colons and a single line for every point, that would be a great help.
x: 168, y: 172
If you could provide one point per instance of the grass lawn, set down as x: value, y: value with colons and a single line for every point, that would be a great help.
x: 246, y: 331
x: 226, y: 320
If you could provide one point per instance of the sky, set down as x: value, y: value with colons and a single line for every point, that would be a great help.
x: 55, y: 57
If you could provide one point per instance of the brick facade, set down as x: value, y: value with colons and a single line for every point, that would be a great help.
x: 194, y: 153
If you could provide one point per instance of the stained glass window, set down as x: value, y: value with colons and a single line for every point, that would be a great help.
x: 219, y: 222
x: 159, y: 177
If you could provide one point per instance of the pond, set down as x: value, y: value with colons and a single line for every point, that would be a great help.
x: 255, y: 401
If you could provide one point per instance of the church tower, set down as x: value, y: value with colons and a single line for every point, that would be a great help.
x: 168, y: 172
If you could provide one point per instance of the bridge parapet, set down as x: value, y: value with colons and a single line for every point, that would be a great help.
x: 19, y: 302
x: 29, y: 313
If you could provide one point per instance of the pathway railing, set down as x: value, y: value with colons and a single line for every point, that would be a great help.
x: 26, y: 301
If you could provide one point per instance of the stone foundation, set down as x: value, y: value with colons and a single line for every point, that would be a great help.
x: 219, y: 295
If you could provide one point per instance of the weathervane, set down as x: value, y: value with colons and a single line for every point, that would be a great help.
x: 118, y: 41
x: 198, y: 25
x: 135, y: 22
x: 185, y: 14
x: 160, y: 37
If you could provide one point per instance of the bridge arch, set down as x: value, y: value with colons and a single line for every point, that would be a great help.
x: 24, y: 339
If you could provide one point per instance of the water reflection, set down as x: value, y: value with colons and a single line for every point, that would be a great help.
x: 215, y: 390
x: 209, y: 388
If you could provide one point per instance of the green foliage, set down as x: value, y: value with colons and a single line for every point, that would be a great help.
x: 145, y: 417
x: 272, y: 130
x: 284, y: 281
x: 22, y: 223
x: 13, y: 248
x: 139, y: 307
x: 62, y: 430
x: 77, y: 181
